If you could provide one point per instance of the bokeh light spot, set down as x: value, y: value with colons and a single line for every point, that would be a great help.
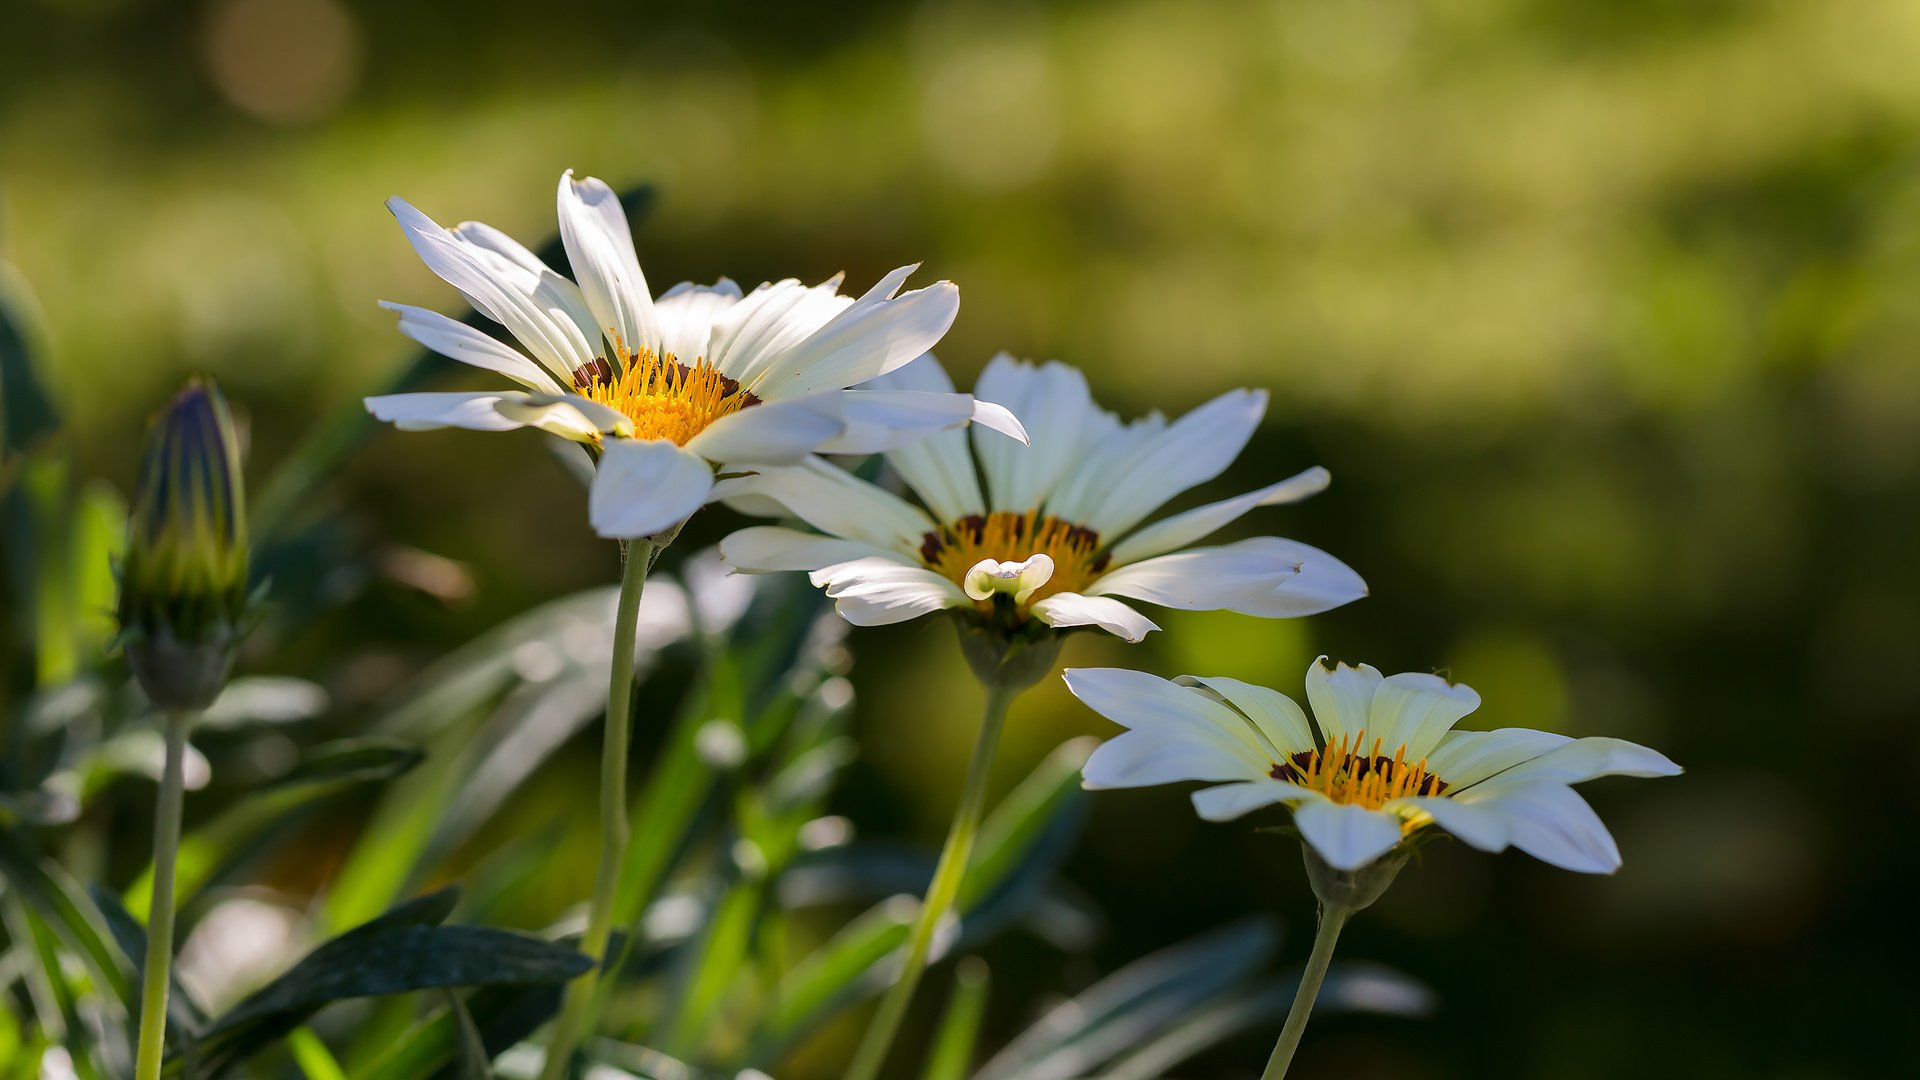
x: 283, y: 61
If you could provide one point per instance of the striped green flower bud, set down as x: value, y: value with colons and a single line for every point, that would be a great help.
x: 183, y: 585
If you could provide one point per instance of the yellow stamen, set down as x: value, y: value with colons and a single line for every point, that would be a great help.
x: 1344, y: 773
x: 1005, y: 536
x: 664, y: 398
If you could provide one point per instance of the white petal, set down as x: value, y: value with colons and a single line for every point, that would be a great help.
x: 1323, y: 583
x: 881, y: 591
x: 838, y: 503
x: 770, y: 548
x: 876, y: 334
x: 425, y: 412
x: 569, y: 416
x: 535, y: 310
x: 1414, y: 709
x: 1551, y: 823
x: 1196, y: 524
x: 1194, y: 449
x: 923, y: 373
x: 1278, y: 717
x: 1584, y: 759
x: 1143, y: 759
x: 1203, y: 579
x: 456, y: 340
x: 1465, y: 758
x: 882, y: 420
x: 996, y: 417
x: 1053, y: 403
x: 645, y: 487
x: 499, y: 246
x: 686, y: 315
x: 1075, y: 609
x: 549, y: 304
x: 770, y: 433
x: 1099, y: 462
x: 939, y: 468
x: 1484, y: 828
x: 1171, y: 713
x: 752, y: 335
x: 1341, y: 697
x: 1347, y: 836
x: 1229, y: 801
x: 599, y: 244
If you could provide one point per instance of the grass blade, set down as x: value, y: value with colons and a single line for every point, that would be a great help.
x: 1076, y: 1038
x: 952, y: 1053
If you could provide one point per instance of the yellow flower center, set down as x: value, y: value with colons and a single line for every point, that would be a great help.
x: 1005, y: 536
x: 1343, y: 773
x: 664, y: 398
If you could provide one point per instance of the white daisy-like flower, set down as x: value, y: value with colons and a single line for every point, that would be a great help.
x: 662, y: 391
x: 1054, y: 532
x: 1384, y: 764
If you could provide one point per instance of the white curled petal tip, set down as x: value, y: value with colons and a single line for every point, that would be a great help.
x: 980, y: 579
x: 1035, y: 572
x: 1001, y: 419
x: 1022, y: 579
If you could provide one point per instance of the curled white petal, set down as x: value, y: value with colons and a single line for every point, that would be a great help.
x: 1022, y: 578
x: 882, y: 591
x: 1077, y: 609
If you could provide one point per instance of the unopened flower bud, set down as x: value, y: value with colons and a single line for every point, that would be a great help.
x: 183, y: 585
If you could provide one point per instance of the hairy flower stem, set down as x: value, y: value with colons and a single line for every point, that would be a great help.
x: 613, y: 812
x: 158, y: 971
x: 1331, y: 920
x: 944, y: 890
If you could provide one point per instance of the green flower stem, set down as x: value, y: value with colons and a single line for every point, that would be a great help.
x: 158, y: 971
x: 1331, y: 920
x: 944, y: 890
x: 613, y: 812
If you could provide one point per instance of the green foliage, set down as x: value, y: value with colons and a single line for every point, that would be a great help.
x: 27, y: 415
x: 952, y: 1054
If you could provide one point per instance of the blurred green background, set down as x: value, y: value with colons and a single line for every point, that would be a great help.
x: 1602, y: 315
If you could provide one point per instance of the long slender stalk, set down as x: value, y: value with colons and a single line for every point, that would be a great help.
x: 613, y: 812
x: 158, y: 970
x: 942, y: 893
x: 1331, y: 920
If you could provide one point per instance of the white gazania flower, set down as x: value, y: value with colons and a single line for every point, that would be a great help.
x: 1384, y: 764
x: 1051, y: 532
x: 664, y: 390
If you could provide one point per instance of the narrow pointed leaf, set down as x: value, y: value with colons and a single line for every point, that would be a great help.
x: 1078, y: 1037
x: 952, y: 1053
x: 1349, y: 987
